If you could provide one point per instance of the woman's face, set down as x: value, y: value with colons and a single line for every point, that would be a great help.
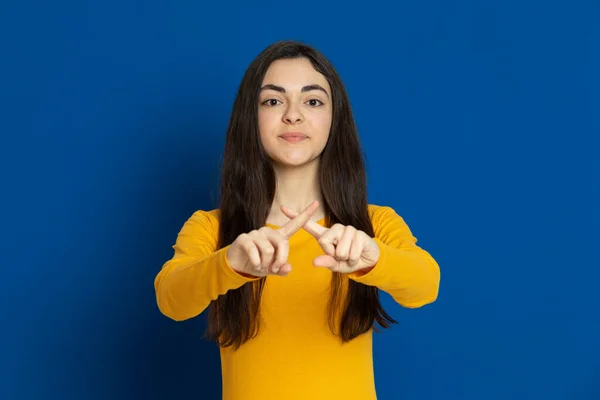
x: 294, y: 112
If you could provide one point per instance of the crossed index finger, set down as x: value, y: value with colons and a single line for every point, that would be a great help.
x: 299, y: 220
x: 311, y: 227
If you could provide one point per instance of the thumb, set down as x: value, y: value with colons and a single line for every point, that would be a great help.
x: 325, y: 261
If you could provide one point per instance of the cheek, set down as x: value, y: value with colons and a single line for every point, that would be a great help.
x: 261, y: 120
x: 265, y: 123
x: 322, y: 123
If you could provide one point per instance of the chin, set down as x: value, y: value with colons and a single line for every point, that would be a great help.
x: 293, y: 162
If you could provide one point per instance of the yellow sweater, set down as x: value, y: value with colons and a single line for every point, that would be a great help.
x: 295, y: 356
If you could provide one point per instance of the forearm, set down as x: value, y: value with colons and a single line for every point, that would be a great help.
x: 185, y: 286
x: 410, y: 275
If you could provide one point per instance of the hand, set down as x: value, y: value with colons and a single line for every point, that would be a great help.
x: 347, y: 249
x: 265, y: 251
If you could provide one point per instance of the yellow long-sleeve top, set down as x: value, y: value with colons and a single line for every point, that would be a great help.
x: 295, y: 355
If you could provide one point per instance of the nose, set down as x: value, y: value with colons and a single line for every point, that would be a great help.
x: 292, y: 115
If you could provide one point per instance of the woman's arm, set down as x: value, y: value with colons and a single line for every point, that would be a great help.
x: 404, y: 270
x: 197, y: 273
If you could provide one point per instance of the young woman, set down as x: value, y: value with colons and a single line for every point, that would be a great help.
x: 292, y: 261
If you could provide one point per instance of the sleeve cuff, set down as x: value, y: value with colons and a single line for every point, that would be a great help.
x: 237, y: 279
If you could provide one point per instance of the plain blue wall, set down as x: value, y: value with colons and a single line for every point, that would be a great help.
x: 480, y: 122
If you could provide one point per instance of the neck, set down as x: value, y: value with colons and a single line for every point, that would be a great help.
x: 296, y: 189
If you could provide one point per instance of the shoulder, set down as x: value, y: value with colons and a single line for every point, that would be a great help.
x: 378, y: 212
x: 210, y: 217
x: 387, y: 221
x: 214, y: 216
x: 380, y: 215
x: 202, y: 223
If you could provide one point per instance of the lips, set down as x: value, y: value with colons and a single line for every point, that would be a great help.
x: 294, y: 135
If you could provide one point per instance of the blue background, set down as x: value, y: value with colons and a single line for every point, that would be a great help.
x: 479, y: 120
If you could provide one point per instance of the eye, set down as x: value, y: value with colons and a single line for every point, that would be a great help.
x: 271, y: 102
x: 315, y: 103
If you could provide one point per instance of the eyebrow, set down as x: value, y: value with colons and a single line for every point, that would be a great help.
x: 307, y: 88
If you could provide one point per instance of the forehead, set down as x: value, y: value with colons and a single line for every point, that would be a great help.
x: 293, y: 74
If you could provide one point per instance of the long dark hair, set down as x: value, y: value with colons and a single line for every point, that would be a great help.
x: 247, y: 189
